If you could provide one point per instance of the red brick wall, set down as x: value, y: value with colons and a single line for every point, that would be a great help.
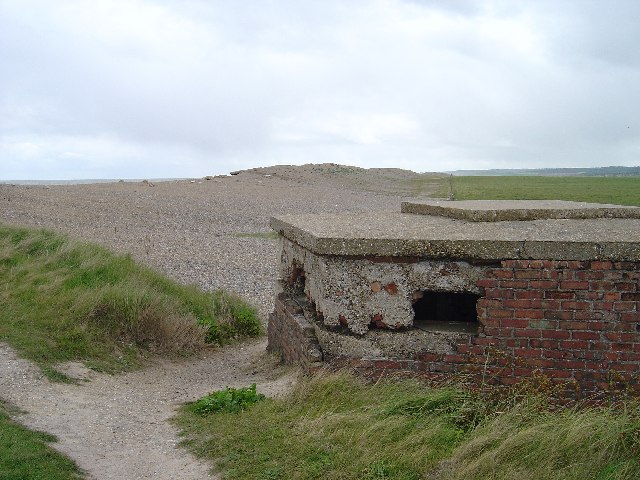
x: 291, y: 335
x: 569, y: 320
x: 576, y: 323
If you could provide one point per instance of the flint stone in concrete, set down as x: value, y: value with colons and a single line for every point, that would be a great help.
x: 381, y: 234
x: 517, y: 210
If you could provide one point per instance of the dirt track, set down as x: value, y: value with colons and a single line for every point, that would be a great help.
x: 115, y: 427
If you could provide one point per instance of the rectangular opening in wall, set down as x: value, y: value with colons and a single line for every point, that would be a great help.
x: 445, y: 311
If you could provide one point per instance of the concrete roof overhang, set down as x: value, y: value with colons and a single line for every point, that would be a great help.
x: 397, y: 234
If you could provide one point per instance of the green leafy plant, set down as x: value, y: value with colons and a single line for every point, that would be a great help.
x: 230, y: 400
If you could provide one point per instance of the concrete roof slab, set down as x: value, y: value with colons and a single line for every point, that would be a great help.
x: 401, y: 234
x: 513, y: 210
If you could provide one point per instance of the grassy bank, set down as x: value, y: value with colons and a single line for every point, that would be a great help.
x: 25, y: 454
x: 617, y: 190
x: 338, y: 427
x: 64, y: 300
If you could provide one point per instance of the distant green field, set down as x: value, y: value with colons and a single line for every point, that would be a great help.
x: 616, y: 190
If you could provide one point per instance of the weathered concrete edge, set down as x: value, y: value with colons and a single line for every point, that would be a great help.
x: 517, y: 214
x: 458, y: 249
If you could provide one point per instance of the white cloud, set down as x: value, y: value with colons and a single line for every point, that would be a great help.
x: 345, y: 127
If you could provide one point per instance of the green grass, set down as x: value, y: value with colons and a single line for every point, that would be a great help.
x: 334, y: 427
x: 63, y: 300
x: 616, y: 190
x: 428, y: 185
x: 338, y: 427
x: 231, y: 400
x: 262, y: 235
x: 25, y: 454
x: 564, y: 445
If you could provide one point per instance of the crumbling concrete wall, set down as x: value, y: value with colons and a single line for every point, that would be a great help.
x: 548, y: 288
x: 364, y: 293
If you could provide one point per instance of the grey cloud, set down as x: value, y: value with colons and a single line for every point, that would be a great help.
x: 584, y: 31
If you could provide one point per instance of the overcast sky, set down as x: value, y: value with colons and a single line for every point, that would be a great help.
x: 164, y: 88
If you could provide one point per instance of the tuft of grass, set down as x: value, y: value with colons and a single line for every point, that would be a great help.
x: 616, y: 190
x: 569, y: 444
x: 56, y: 376
x: 336, y: 426
x: 262, y: 235
x: 63, y: 300
x: 460, y: 408
x: 25, y: 454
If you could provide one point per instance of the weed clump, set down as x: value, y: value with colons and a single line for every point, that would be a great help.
x: 230, y: 400
x: 234, y: 318
x: 64, y: 300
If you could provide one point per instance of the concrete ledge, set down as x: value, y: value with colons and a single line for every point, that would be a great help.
x: 517, y: 210
x: 380, y: 234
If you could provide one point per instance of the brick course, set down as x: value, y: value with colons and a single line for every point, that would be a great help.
x: 292, y: 335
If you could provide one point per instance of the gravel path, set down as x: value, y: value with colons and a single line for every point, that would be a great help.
x: 115, y: 427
